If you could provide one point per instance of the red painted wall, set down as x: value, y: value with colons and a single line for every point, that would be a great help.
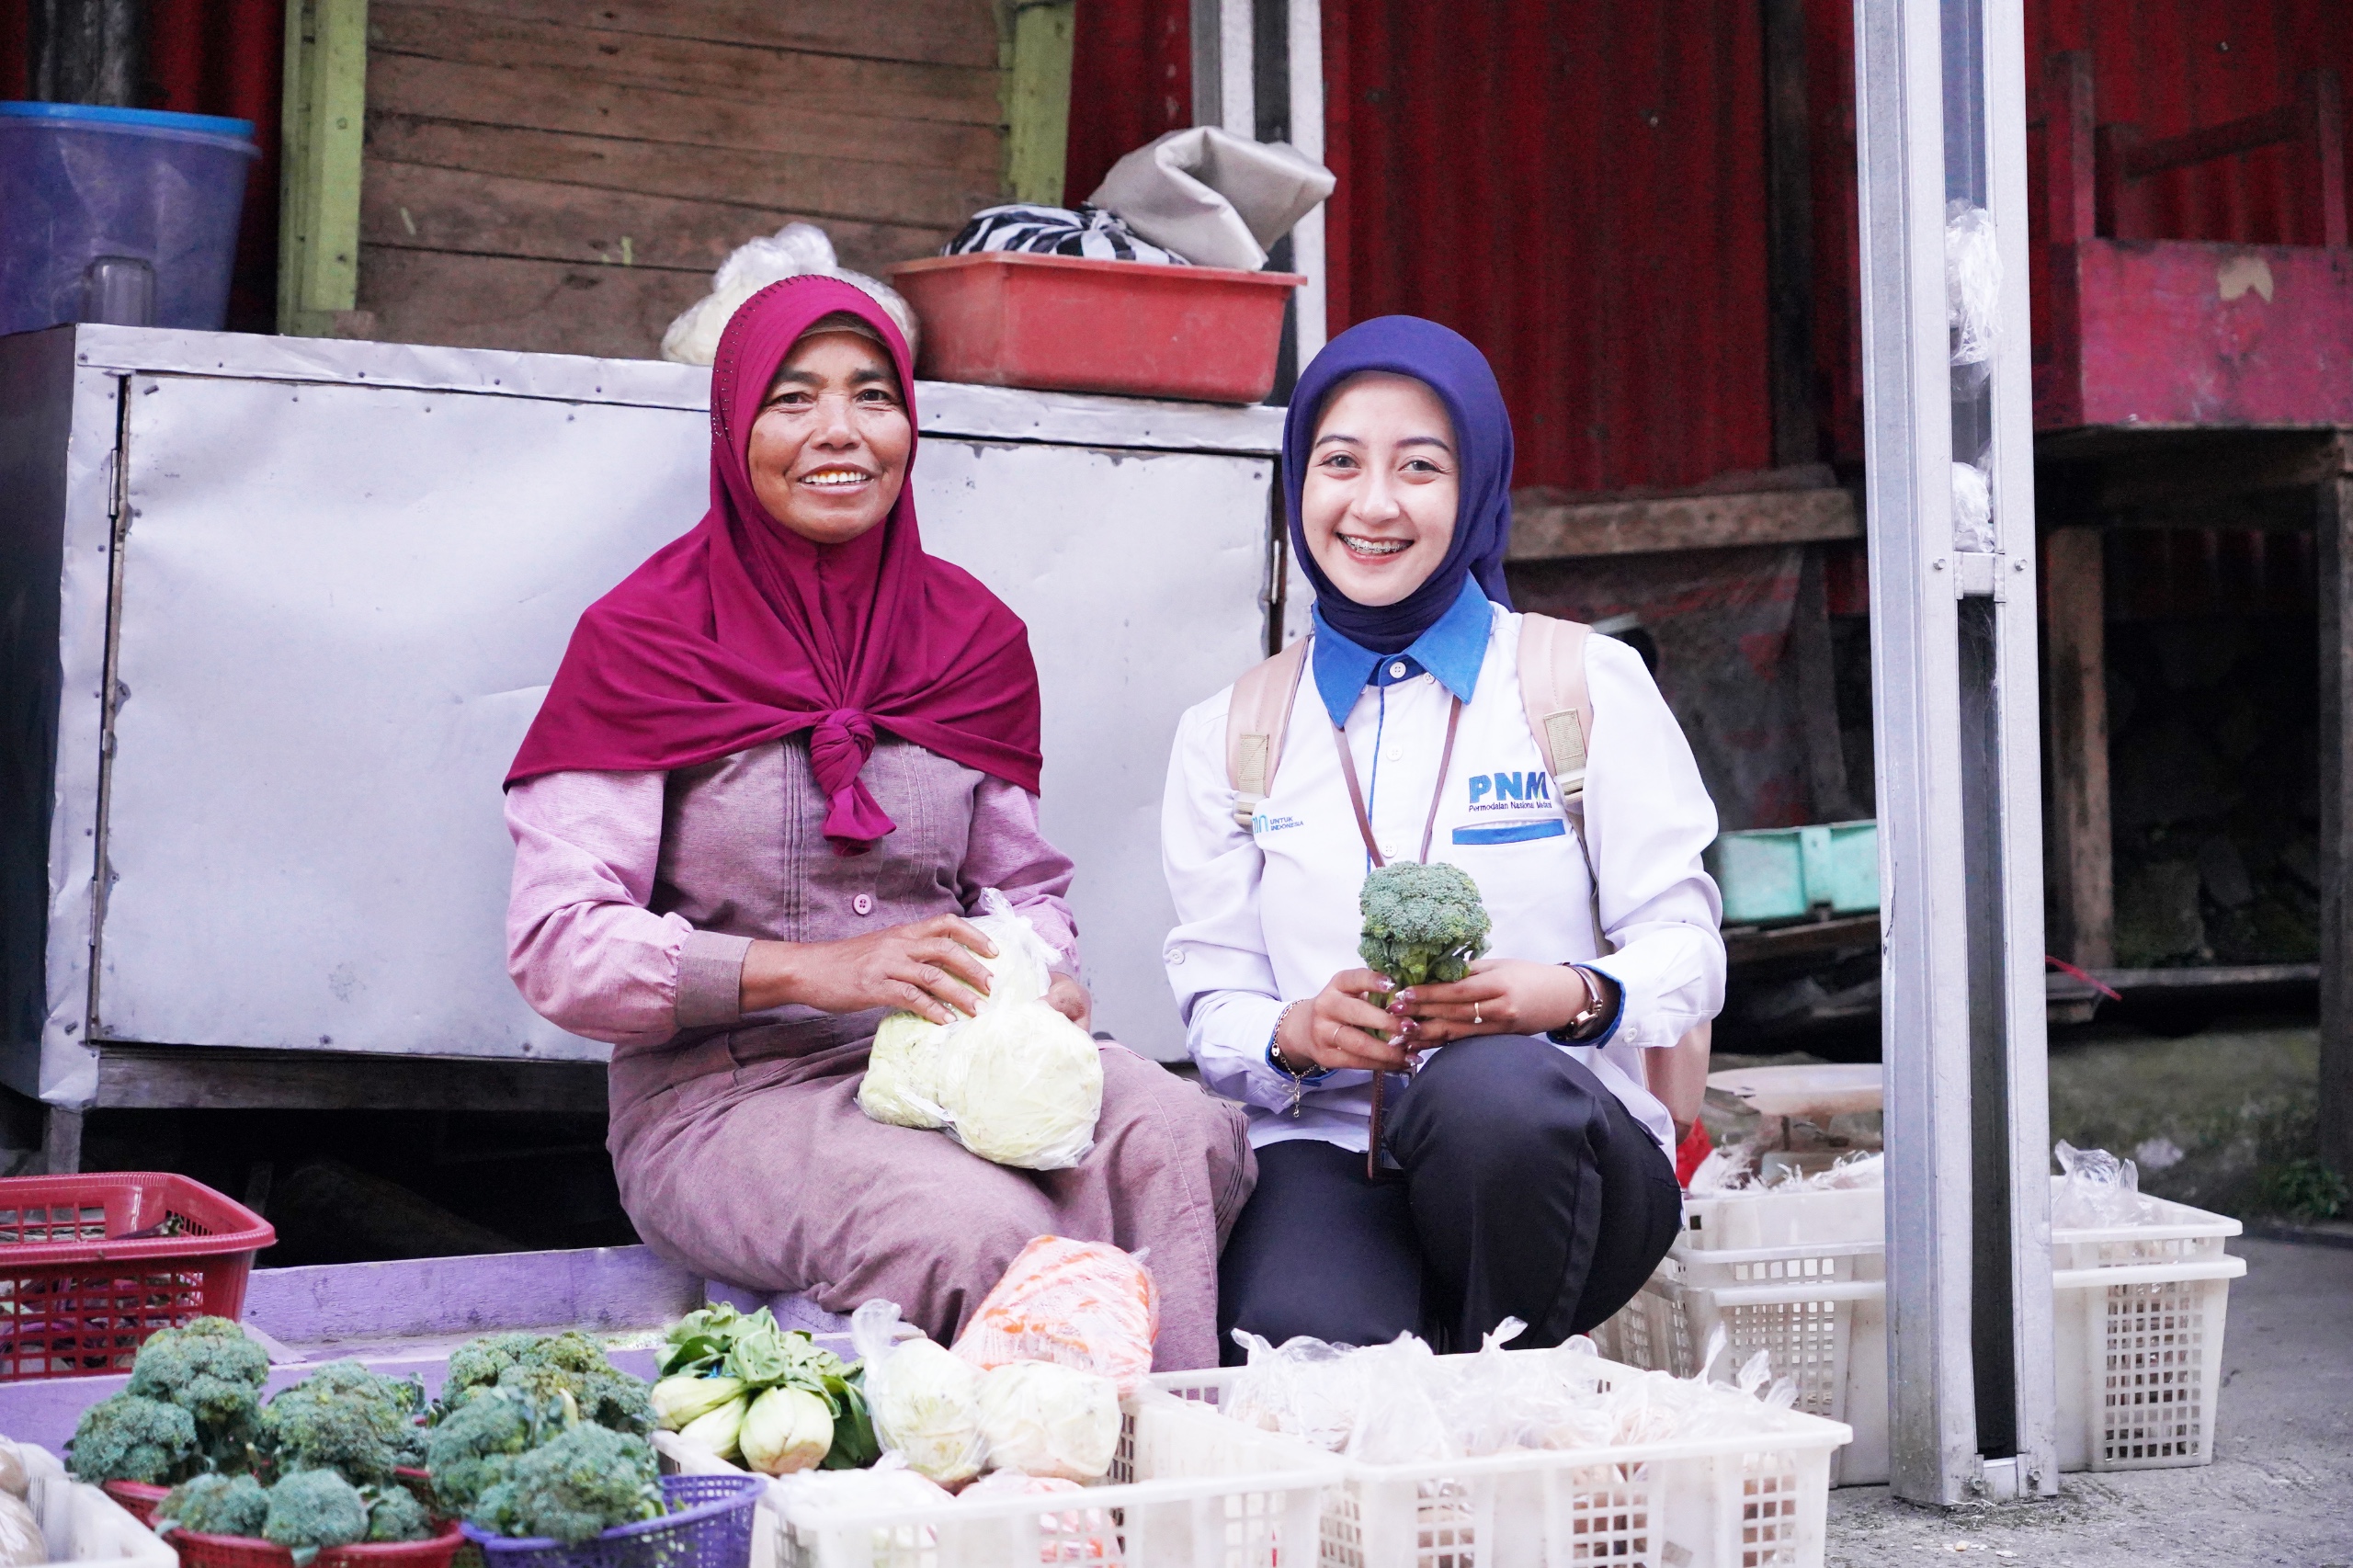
x: 1132, y: 80
x: 206, y: 57
x: 1579, y: 188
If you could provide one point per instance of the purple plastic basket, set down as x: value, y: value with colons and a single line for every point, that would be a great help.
x: 709, y: 1526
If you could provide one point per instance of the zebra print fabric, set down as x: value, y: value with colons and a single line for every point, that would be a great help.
x: 1083, y: 231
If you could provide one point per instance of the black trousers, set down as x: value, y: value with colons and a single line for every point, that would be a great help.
x: 1528, y: 1191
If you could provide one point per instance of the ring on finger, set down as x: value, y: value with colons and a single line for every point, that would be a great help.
x: 1474, y: 1013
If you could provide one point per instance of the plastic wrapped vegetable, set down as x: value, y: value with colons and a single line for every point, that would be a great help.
x: 13, y: 1479
x: 1049, y: 1420
x: 21, y: 1543
x: 1016, y: 1083
x: 926, y: 1400
x: 902, y: 1083
x: 1084, y: 1304
x: 1023, y: 1086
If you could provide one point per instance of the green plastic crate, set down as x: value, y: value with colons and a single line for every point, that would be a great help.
x: 1771, y: 874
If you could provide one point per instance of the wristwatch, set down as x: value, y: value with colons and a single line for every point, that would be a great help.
x: 1601, y: 1001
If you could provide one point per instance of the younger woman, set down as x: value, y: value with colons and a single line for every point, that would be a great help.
x: 1525, y: 1168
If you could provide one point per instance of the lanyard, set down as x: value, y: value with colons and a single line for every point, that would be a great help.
x: 1364, y: 826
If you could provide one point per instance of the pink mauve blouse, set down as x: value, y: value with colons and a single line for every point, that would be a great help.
x: 590, y: 956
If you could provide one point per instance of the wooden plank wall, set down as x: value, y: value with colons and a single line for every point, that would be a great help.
x: 561, y: 176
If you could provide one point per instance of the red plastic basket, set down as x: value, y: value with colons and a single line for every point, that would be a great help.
x: 137, y: 1496
x: 250, y: 1551
x: 1071, y: 323
x: 91, y: 1265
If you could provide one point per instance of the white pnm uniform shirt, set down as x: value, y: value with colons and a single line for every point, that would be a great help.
x: 1267, y: 915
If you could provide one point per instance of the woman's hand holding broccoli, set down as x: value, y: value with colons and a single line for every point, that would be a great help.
x: 1499, y: 996
x: 1339, y: 1028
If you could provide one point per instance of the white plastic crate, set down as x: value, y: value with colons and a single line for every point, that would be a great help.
x: 1187, y: 1489
x: 2137, y: 1326
x: 1752, y: 1500
x: 82, y: 1524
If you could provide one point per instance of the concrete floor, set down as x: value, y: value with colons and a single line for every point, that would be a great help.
x: 2281, y: 1488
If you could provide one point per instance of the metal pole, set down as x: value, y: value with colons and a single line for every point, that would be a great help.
x: 1940, y: 94
x: 1224, y: 41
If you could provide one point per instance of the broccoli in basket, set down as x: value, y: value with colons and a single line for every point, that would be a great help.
x: 128, y: 1438
x: 1422, y: 923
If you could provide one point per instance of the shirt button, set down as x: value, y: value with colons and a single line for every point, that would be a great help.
x: 862, y: 904
x: 1397, y: 670
x: 1177, y: 955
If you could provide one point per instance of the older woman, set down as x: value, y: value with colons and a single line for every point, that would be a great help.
x: 775, y: 771
x: 1524, y: 1169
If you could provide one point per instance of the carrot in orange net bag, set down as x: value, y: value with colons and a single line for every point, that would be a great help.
x: 1084, y: 1304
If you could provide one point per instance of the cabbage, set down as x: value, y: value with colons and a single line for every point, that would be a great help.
x: 1016, y: 1083
x: 1045, y: 1419
x: 1023, y: 1086
x: 926, y: 1400
x: 785, y: 1430
x: 902, y: 1083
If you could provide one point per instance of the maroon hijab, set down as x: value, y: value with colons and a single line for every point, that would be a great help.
x: 742, y: 632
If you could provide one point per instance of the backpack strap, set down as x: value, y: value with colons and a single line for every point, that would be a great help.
x: 1254, y: 726
x: 1553, y: 688
x: 1559, y: 715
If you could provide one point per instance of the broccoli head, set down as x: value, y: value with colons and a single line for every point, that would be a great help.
x: 343, y: 1418
x: 583, y: 1484
x: 477, y: 1363
x: 315, y: 1508
x: 216, y: 1504
x: 211, y: 1370
x: 130, y: 1438
x: 570, y: 1350
x: 1422, y: 923
x: 475, y: 1444
x: 396, y: 1515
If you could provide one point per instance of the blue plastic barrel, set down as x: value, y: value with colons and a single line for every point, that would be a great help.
x: 118, y: 214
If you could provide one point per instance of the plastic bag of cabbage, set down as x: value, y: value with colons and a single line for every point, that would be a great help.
x: 1016, y: 1083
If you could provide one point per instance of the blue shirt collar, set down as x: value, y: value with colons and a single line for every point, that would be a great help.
x: 1453, y: 650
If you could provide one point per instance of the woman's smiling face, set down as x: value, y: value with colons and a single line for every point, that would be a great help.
x: 828, y: 452
x: 1378, y: 500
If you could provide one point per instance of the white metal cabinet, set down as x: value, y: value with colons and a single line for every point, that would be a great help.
x: 346, y: 573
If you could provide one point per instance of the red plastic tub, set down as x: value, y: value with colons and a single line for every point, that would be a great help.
x: 1067, y: 324
x: 91, y: 1265
x: 249, y: 1552
x: 137, y: 1497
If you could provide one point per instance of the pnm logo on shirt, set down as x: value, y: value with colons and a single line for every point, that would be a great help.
x: 1502, y: 791
x: 1262, y: 822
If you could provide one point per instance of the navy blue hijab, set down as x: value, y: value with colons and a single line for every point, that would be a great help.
x: 1452, y: 366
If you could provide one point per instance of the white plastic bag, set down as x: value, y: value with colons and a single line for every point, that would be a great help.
x: 1213, y: 198
x: 1046, y: 1419
x: 926, y: 1400
x: 794, y: 251
x: 2100, y: 1191
x: 1973, y: 508
x: 1015, y: 1082
x: 1973, y: 282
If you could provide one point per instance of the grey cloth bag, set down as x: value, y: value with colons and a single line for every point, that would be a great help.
x: 1213, y: 198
